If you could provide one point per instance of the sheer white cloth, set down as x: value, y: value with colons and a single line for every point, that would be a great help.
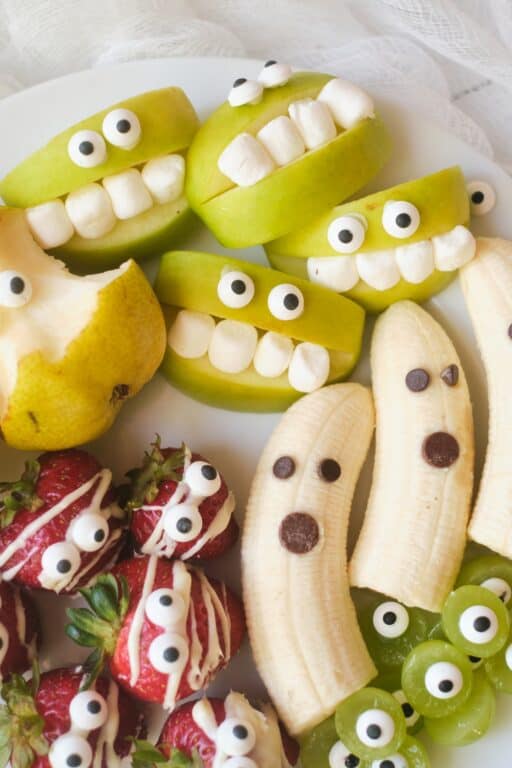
x: 451, y: 60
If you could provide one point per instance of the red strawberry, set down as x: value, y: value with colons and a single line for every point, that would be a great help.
x: 59, y: 524
x: 181, y: 506
x: 52, y: 723
x: 19, y: 631
x: 230, y: 729
x: 165, y: 627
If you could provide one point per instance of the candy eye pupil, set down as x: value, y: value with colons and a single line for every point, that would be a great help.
x: 240, y: 732
x: 374, y: 731
x: 63, y: 566
x: 387, y: 764
x: 403, y: 220
x: 17, y: 285
x: 239, y: 81
x: 345, y: 236
x: 482, y: 624
x: 474, y: 659
x: 86, y: 147
x: 291, y: 301
x: 74, y: 761
x: 184, y: 525
x: 209, y: 472
x: 171, y: 655
x: 389, y: 618
x: 407, y: 709
x: 270, y: 62
x: 477, y: 197
x: 445, y: 686
x: 238, y: 287
x: 123, y: 126
x: 99, y: 535
x: 93, y: 707
x: 351, y: 761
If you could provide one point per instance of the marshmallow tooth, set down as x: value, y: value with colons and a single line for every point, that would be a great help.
x: 282, y: 140
x: 313, y: 121
x: 378, y: 268
x: 90, y: 211
x: 191, y: 333
x: 339, y: 273
x: 453, y: 249
x: 50, y: 224
x: 245, y: 161
x: 416, y: 261
x: 128, y: 193
x: 309, y: 367
x: 232, y: 346
x: 164, y: 177
x: 347, y: 103
x: 273, y: 355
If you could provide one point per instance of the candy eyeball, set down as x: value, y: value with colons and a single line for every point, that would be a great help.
x: 87, y: 149
x: 236, y: 737
x: 393, y: 761
x: 88, y: 711
x: 183, y: 522
x: 400, y: 219
x: 245, y: 91
x: 375, y: 728
x: 370, y: 723
x: 340, y: 756
x: 476, y: 621
x: 15, y: 289
x: 500, y: 587
x: 346, y: 234
x: 60, y: 561
x: 286, y: 302
x: 443, y: 680
x: 478, y: 624
x: 89, y: 531
x: 235, y: 289
x: 165, y: 607
x: 70, y: 751
x: 168, y: 652
x: 274, y: 74
x: 240, y: 762
x: 410, y: 714
x: 482, y: 197
x: 121, y: 127
x: 390, y: 619
x: 202, y: 479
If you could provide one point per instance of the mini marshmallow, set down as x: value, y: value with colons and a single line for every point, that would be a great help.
x: 128, y: 193
x: 245, y: 161
x: 90, y: 211
x: 313, y: 121
x: 309, y: 367
x: 50, y: 224
x: 378, y: 269
x: 415, y: 261
x: 347, y: 103
x: 282, y: 140
x: 453, y: 249
x: 339, y: 273
x: 232, y: 346
x: 273, y: 355
x: 164, y: 177
x: 274, y: 74
x: 191, y: 333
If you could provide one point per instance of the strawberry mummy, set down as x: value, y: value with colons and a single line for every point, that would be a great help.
x: 18, y: 631
x: 164, y: 626
x: 216, y: 733
x: 52, y: 723
x: 59, y: 524
x: 181, y: 506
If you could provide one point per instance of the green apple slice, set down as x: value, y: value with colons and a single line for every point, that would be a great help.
x: 190, y: 281
x: 291, y: 194
x: 442, y: 205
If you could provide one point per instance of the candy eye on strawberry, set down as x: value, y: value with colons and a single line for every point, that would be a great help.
x: 241, y: 761
x: 88, y: 711
x: 236, y: 737
x: 202, y: 479
x: 168, y: 653
x: 70, y: 751
x: 165, y: 607
x: 89, y: 532
x: 59, y: 564
x: 183, y: 522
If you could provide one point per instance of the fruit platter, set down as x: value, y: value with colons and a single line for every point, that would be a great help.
x: 255, y: 491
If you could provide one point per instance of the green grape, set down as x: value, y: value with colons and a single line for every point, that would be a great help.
x: 371, y: 723
x: 412, y: 754
x: 468, y: 723
x: 499, y: 668
x: 476, y: 621
x: 413, y: 719
x: 322, y: 748
x: 491, y: 571
x: 391, y: 630
x: 436, y: 678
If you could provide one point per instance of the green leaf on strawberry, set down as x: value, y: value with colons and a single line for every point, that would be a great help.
x: 19, y: 494
x: 146, y: 755
x: 21, y: 725
x: 156, y: 468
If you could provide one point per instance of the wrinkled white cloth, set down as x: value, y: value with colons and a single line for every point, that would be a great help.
x: 450, y: 60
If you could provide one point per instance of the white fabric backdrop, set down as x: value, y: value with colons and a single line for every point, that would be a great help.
x: 449, y: 59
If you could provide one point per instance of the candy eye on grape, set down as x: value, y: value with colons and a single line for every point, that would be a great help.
x: 476, y: 621
x: 493, y: 572
x: 468, y: 723
x: 322, y: 748
x: 412, y: 754
x: 371, y: 723
x: 436, y: 678
x: 413, y: 719
x: 499, y: 668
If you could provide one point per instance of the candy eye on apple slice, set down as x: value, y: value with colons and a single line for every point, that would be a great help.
x: 122, y: 128
x: 15, y: 289
x: 371, y: 723
x: 245, y: 91
x: 400, y: 219
x: 482, y: 197
x: 274, y: 74
x: 202, y: 479
x: 88, y: 711
x: 236, y: 737
x: 286, y: 302
x: 346, y: 234
x: 87, y: 149
x: 235, y: 289
x: 476, y: 621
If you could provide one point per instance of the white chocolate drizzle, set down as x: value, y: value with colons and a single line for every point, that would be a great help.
x: 109, y: 731
x: 4, y: 640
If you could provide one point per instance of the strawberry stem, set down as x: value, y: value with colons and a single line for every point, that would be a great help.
x: 146, y: 755
x: 20, y: 494
x: 21, y: 725
x: 156, y: 468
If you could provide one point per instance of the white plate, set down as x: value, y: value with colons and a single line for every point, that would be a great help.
x: 233, y: 441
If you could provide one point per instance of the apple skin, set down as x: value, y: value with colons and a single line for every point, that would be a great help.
x: 244, y: 216
x: 168, y: 121
x: 188, y: 280
x: 443, y: 203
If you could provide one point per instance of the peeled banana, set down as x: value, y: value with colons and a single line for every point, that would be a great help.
x: 413, y: 536
x: 487, y: 287
x: 302, y: 623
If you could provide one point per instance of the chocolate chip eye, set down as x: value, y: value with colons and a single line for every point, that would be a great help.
x: 15, y: 289
x: 284, y: 467
x: 482, y: 197
x: 235, y: 289
x: 417, y: 380
x: 400, y: 219
x: 450, y: 375
x: 346, y: 234
x: 245, y: 91
x: 87, y: 149
x: 121, y: 127
x: 286, y: 302
x: 329, y: 470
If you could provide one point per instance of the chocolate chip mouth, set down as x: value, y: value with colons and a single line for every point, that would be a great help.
x: 440, y: 449
x: 299, y: 533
